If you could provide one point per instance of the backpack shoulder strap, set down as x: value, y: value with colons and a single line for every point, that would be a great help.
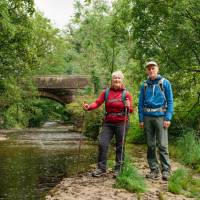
x: 106, y: 94
x: 145, y: 86
x: 160, y: 83
x: 124, y: 95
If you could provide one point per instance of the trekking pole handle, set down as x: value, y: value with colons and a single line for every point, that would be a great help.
x: 85, y: 106
x: 127, y: 103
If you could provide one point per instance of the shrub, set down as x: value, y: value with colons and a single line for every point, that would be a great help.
x: 90, y: 121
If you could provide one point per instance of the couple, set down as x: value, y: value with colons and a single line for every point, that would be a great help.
x: 155, y: 112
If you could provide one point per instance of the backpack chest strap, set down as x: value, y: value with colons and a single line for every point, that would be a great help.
x: 154, y: 110
x: 123, y: 98
x: 114, y: 100
x: 116, y: 114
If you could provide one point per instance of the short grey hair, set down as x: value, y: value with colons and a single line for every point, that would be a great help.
x: 118, y: 74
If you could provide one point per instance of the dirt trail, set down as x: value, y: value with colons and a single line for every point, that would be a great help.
x: 86, y: 187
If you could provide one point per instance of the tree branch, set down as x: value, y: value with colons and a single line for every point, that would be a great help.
x: 193, y: 70
x: 164, y: 50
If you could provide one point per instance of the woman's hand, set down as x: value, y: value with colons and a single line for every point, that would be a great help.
x: 127, y: 103
x: 85, y: 106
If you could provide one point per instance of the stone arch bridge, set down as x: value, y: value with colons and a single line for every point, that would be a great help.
x: 61, y: 88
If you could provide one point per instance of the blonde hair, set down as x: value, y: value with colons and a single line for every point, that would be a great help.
x: 118, y: 74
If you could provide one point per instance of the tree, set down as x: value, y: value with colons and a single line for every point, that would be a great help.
x: 16, y: 37
x: 95, y: 46
x: 168, y: 32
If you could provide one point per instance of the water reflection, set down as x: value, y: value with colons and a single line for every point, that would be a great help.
x: 31, y: 163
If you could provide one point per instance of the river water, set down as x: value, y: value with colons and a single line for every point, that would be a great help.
x: 35, y: 160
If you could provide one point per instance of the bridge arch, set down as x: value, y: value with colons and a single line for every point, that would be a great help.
x: 61, y: 88
x: 62, y: 100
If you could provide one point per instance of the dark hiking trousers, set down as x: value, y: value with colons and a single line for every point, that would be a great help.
x: 105, y: 137
x: 156, y: 134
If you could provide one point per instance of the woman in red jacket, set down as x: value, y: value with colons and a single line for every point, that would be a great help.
x: 118, y: 103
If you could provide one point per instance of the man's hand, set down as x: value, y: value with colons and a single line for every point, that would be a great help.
x: 141, y: 124
x: 166, y: 124
x: 85, y: 106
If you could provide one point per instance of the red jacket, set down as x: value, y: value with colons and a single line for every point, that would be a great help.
x: 115, y: 107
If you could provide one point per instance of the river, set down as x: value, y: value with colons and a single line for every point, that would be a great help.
x: 33, y: 161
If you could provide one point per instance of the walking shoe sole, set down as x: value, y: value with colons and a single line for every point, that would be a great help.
x: 153, y: 178
x: 94, y: 175
x: 165, y: 179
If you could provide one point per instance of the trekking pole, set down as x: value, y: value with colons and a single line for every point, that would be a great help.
x: 80, y: 141
x: 123, y: 137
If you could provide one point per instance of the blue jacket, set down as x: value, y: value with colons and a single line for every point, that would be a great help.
x: 153, y: 97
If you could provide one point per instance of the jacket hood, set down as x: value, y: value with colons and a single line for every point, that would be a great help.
x: 149, y: 81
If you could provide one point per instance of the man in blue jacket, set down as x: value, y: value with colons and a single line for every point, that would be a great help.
x: 155, y: 110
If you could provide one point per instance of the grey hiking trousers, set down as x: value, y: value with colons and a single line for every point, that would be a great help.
x: 156, y: 136
x: 105, y: 137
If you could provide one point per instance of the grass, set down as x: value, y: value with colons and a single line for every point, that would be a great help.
x: 130, y: 179
x: 188, y: 150
x: 182, y: 182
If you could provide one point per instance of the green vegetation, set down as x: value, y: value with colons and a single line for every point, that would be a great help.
x: 88, y: 122
x: 28, y: 44
x: 188, y: 150
x: 98, y: 41
x: 135, y: 134
x: 181, y: 182
x: 130, y: 179
x: 46, y: 110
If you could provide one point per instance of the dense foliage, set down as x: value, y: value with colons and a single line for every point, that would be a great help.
x: 98, y: 40
x: 133, y: 32
x: 29, y: 45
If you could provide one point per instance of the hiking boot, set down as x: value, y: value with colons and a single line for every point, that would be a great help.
x: 98, y: 173
x: 154, y: 174
x: 116, y: 173
x: 165, y: 175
